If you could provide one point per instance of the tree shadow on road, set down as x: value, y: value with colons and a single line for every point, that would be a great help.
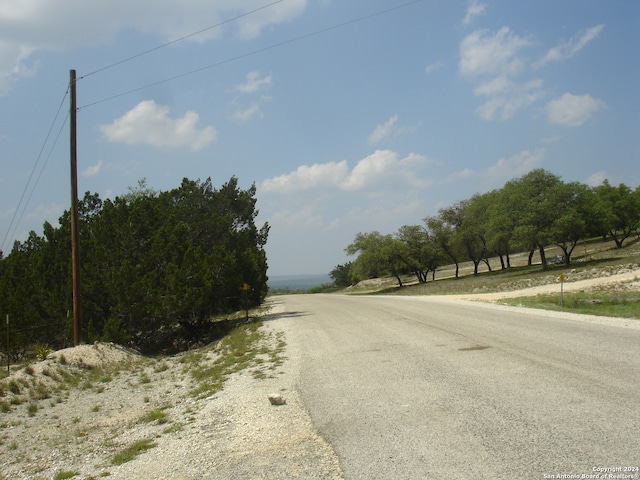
x: 276, y: 316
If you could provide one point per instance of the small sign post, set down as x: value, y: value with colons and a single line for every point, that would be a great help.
x: 562, y: 289
x: 8, y: 360
x: 245, y: 289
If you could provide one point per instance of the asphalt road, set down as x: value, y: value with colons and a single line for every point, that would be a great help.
x: 412, y: 388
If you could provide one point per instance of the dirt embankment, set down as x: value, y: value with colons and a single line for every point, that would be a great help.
x: 101, y: 410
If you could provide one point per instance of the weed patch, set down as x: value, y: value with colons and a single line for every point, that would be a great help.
x: 159, y: 416
x: 175, y: 427
x: 64, y: 475
x: 238, y: 350
x: 133, y: 451
x: 32, y: 409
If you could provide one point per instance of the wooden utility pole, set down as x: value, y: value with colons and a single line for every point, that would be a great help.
x: 75, y: 237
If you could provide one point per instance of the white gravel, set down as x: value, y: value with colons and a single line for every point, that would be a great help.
x: 235, y: 434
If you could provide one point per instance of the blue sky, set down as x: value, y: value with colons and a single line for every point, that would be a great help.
x: 349, y: 116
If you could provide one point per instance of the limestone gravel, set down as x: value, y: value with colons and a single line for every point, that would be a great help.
x: 235, y: 434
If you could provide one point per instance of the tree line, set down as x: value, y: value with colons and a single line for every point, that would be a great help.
x: 156, y: 267
x: 528, y: 214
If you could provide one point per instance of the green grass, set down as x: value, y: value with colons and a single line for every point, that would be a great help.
x: 236, y: 351
x: 602, y: 304
x: 161, y: 367
x: 41, y: 351
x: 159, y: 416
x: 133, y: 451
x: 64, y: 475
x: 175, y: 427
x: 32, y: 409
x: 14, y: 387
x: 39, y: 391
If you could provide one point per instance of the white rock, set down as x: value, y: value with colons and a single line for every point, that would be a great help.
x: 276, y: 399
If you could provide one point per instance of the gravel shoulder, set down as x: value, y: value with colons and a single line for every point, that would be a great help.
x: 234, y: 434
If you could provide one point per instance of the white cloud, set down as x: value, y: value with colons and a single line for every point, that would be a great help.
x: 597, y: 178
x: 43, y: 212
x: 92, y: 170
x: 247, y: 114
x: 493, y: 60
x: 516, y: 165
x: 370, y: 169
x: 474, y: 9
x: 252, y: 25
x: 387, y: 131
x: 383, y: 131
x: 567, y: 49
x: 368, y: 172
x: 28, y: 26
x: 551, y: 139
x: 318, y: 175
x: 486, y: 53
x: 387, y: 166
x: 494, y: 86
x: 13, y: 64
x: 387, y: 213
x: 254, y: 83
x: 305, y: 216
x: 506, y: 98
x: 150, y: 124
x: 573, y: 110
x: 7, y: 213
x: 465, y: 173
x: 434, y: 66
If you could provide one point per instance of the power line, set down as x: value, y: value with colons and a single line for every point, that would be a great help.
x: 192, y: 72
x: 33, y: 170
x: 253, y: 52
x: 44, y: 165
x: 15, y: 213
x: 133, y: 57
x: 15, y: 216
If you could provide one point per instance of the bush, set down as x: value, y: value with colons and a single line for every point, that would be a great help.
x: 41, y: 351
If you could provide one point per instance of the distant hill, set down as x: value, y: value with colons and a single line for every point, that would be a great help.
x: 297, y: 282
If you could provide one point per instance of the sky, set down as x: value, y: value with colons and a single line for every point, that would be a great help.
x: 348, y: 116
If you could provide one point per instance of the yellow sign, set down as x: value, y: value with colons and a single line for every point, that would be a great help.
x: 245, y: 287
x: 562, y: 277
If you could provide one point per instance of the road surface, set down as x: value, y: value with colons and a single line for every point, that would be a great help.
x: 413, y: 388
